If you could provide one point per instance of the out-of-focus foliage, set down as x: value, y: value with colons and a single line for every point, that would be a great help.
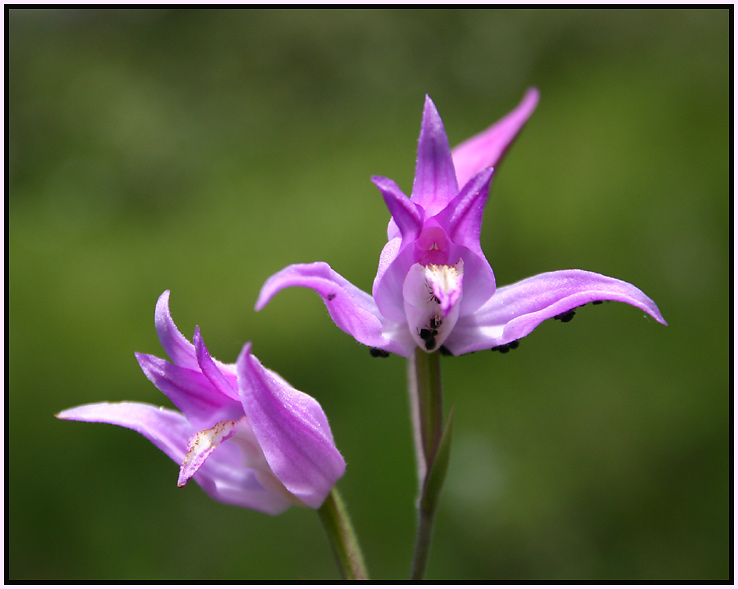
x: 202, y: 150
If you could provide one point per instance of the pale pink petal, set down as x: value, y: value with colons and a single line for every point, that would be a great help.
x: 487, y: 148
x: 517, y: 309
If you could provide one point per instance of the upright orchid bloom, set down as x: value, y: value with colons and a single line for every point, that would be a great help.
x: 243, y: 433
x: 434, y: 288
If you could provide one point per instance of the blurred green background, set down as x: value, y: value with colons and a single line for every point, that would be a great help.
x: 203, y: 150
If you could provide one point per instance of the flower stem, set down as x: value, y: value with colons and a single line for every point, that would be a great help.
x: 343, y: 539
x: 432, y: 443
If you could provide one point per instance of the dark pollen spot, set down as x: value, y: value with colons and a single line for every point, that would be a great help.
x: 565, y: 317
x: 378, y: 353
x: 505, y: 348
x: 331, y: 296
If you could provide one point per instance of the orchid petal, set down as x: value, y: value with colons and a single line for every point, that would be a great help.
x: 202, y: 445
x: 181, y: 351
x: 190, y: 391
x: 517, y: 309
x: 435, y: 178
x: 445, y: 283
x: 405, y: 213
x: 353, y: 310
x: 479, y: 288
x: 387, y: 288
x: 292, y: 431
x: 168, y: 430
x: 487, y: 148
x: 222, y: 477
x: 224, y: 383
x: 425, y: 290
x: 462, y: 217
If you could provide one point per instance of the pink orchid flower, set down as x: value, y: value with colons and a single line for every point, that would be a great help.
x: 434, y: 288
x: 242, y: 432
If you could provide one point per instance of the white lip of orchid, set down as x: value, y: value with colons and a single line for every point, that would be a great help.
x: 431, y: 295
x: 201, y: 445
x: 445, y: 284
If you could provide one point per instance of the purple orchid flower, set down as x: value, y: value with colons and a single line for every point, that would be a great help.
x: 434, y: 288
x: 244, y: 434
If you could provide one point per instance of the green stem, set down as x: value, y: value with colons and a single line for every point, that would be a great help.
x: 431, y: 443
x: 343, y: 539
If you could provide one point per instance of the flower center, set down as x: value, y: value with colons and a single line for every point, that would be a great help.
x: 444, y: 283
x: 432, y: 294
x: 431, y: 247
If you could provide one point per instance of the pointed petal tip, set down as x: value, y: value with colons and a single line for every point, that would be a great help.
x: 532, y: 95
x: 245, y: 353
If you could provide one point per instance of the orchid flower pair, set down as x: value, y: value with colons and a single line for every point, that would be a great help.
x: 250, y: 439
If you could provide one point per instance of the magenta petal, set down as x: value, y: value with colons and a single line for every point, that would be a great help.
x: 292, y: 431
x: 462, y: 217
x: 190, y: 391
x: 435, y: 178
x: 487, y: 148
x: 225, y: 383
x: 168, y: 430
x: 353, y: 310
x: 517, y: 309
x: 181, y: 351
x: 222, y: 476
x: 405, y: 213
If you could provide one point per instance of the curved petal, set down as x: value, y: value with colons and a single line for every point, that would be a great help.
x: 406, y: 215
x: 224, y: 383
x: 479, y: 280
x: 395, y: 262
x: 222, y: 476
x: 435, y: 178
x: 201, y: 445
x: 181, y: 351
x: 190, y: 391
x: 168, y: 430
x: 487, y: 148
x: 352, y: 310
x: 292, y: 431
x: 517, y: 309
x: 228, y: 482
x: 462, y: 217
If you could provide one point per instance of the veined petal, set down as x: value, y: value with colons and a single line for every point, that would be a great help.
x: 462, y: 218
x: 435, y: 178
x: 225, y: 383
x: 487, y: 148
x: 190, y: 391
x: 407, y: 215
x: 168, y: 430
x: 223, y: 476
x: 181, y: 351
x: 353, y: 310
x: 479, y: 280
x: 292, y: 431
x: 517, y: 309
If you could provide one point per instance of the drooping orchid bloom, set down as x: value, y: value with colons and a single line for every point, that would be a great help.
x: 242, y: 432
x: 435, y: 288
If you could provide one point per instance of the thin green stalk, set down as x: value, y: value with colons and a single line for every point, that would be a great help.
x: 432, y: 443
x: 345, y: 544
